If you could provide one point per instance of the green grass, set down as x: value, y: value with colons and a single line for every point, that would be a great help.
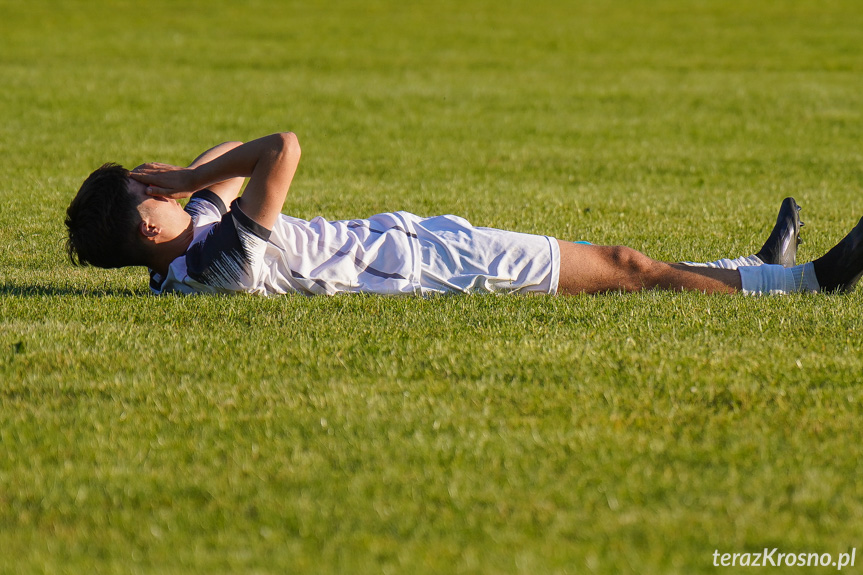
x: 613, y: 434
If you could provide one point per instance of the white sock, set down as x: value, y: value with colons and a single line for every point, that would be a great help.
x: 771, y: 279
x: 727, y: 264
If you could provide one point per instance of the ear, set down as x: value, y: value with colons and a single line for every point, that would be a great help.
x: 148, y: 230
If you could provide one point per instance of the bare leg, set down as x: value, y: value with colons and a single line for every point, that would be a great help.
x: 596, y: 269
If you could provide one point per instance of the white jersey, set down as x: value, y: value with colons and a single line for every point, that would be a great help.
x: 230, y: 252
x: 390, y: 253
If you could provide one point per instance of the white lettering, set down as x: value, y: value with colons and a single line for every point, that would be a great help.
x: 757, y: 562
x: 773, y: 557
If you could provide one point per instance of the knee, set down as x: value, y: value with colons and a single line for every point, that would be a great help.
x: 631, y: 262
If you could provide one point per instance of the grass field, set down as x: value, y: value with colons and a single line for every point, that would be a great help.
x: 612, y: 434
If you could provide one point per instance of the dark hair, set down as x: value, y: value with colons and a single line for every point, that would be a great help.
x: 102, y: 220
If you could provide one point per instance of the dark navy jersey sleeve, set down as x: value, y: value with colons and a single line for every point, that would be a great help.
x: 205, y: 204
x: 212, y: 197
x: 248, y: 223
x: 231, y: 255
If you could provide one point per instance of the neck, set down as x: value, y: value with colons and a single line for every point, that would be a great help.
x: 166, y: 252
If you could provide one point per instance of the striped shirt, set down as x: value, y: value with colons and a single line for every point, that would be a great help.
x: 230, y: 253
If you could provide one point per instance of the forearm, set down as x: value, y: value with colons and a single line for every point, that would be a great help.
x: 241, y: 161
x: 213, y: 153
x: 229, y: 189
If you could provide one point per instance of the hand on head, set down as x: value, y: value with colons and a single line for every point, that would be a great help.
x: 165, y: 180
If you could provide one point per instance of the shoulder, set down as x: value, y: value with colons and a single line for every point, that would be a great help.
x: 205, y: 206
x: 229, y: 252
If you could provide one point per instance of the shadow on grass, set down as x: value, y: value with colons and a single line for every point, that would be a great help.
x: 40, y: 289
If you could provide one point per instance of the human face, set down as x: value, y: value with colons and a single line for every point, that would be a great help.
x: 164, y: 214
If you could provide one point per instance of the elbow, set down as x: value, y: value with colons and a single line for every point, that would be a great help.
x: 290, y: 143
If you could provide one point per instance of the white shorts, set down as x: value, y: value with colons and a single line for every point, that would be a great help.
x: 458, y: 257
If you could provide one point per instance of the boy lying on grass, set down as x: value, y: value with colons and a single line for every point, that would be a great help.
x: 222, y: 243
